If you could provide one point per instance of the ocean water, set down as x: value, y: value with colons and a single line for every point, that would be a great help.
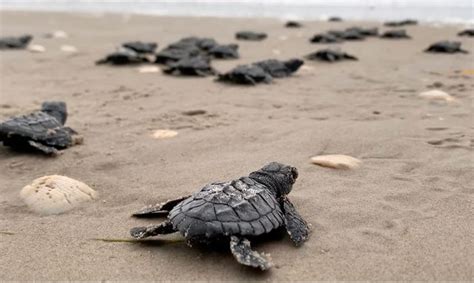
x: 454, y: 11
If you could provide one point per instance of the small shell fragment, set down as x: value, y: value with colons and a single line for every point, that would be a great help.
x: 148, y: 69
x: 59, y: 34
x: 56, y: 194
x: 336, y: 161
x: 436, y: 94
x: 164, y: 134
x: 68, y: 48
x: 36, y: 48
x: 276, y: 51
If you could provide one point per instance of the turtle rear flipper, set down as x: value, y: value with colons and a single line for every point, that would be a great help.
x: 157, y: 210
x: 240, y: 248
x: 295, y: 225
x: 44, y: 148
x: 152, y: 230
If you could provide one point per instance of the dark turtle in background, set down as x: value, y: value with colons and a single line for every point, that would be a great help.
x: 330, y: 55
x: 171, y: 55
x: 184, y: 48
x: 395, y: 34
x: 228, y: 51
x: 325, y: 38
x: 467, y: 32
x: 41, y: 130
x: 280, y: 69
x: 123, y: 56
x: 233, y: 211
x: 245, y: 75
x: 293, y: 24
x: 335, y: 19
x: 191, y: 66
x: 141, y: 47
x: 364, y: 31
x: 11, y: 42
x: 347, y: 34
x: 250, y: 35
x: 446, y: 46
x: 401, y: 23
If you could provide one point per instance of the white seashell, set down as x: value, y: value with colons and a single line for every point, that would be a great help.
x: 148, y: 69
x: 69, y: 48
x: 35, y: 48
x: 56, y: 194
x: 59, y: 34
x: 164, y: 134
x: 283, y: 37
x: 437, y: 95
x: 276, y: 51
x: 336, y: 161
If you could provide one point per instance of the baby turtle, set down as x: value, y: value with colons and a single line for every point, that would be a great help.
x: 232, y: 211
x: 335, y: 19
x: 467, y: 32
x: 325, y: 38
x: 406, y: 22
x: 293, y: 24
x: 204, y: 44
x: 123, y: 56
x: 250, y: 35
x: 10, y: 42
x: 246, y: 75
x: 330, y: 55
x: 446, y: 47
x: 141, y: 47
x: 191, y: 66
x: 395, y: 34
x: 229, y: 51
x: 280, y: 69
x: 170, y: 55
x: 351, y: 34
x: 364, y: 31
x: 42, y: 130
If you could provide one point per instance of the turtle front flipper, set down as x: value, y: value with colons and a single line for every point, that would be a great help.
x: 158, y: 210
x: 44, y: 148
x: 242, y: 252
x: 152, y: 230
x: 295, y: 225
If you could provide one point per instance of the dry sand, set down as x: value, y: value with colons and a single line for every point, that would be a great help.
x: 405, y: 214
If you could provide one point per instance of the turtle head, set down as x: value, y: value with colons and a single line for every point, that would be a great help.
x: 57, y: 109
x: 277, y: 177
x: 293, y: 64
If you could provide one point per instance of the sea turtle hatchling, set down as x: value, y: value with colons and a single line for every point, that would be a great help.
x: 446, y: 46
x: 467, y: 32
x: 41, y: 130
x: 325, y: 38
x: 280, y: 69
x: 191, y: 66
x: 11, y: 42
x: 250, y: 35
x: 224, y: 51
x: 395, y: 34
x: 233, y: 211
x: 330, y: 55
x: 141, y: 47
x: 245, y: 75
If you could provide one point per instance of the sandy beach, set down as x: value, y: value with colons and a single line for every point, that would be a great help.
x: 405, y: 214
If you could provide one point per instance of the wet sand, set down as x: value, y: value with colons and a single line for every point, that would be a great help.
x: 405, y: 214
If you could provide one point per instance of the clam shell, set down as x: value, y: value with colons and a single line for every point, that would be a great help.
x: 164, y: 134
x: 336, y: 161
x: 148, y: 69
x: 56, y: 194
x: 36, y: 48
x: 437, y: 94
x: 68, y: 48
